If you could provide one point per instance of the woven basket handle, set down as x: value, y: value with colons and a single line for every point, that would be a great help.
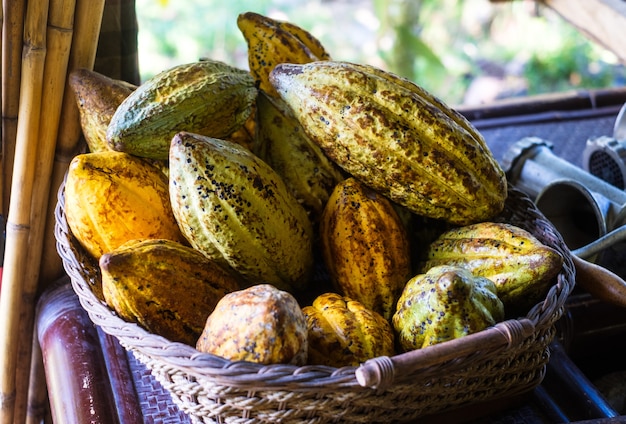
x: 379, y: 373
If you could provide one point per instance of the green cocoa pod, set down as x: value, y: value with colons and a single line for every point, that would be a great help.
x: 235, y: 208
x: 520, y: 265
x: 206, y: 97
x: 396, y: 138
x: 445, y: 303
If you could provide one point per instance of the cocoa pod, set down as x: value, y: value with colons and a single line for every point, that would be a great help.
x: 113, y: 197
x: 365, y: 246
x: 386, y: 132
x: 166, y: 287
x: 305, y: 169
x: 520, y: 265
x: 206, y: 97
x: 97, y: 98
x: 445, y: 303
x: 259, y: 324
x: 343, y: 332
x: 271, y: 41
x: 236, y: 209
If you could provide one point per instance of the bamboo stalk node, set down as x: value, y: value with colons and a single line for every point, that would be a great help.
x: 17, y: 228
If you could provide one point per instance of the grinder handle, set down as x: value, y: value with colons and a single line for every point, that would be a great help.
x: 599, y: 282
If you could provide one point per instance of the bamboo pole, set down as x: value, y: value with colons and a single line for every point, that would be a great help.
x: 18, y: 220
x: 12, y: 39
x: 58, y: 44
x: 38, y: 391
x: 87, y: 23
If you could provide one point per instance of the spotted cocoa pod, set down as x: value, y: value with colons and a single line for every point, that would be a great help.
x: 395, y: 137
x: 365, y: 246
x: 236, y: 209
x: 166, y: 287
x: 259, y: 324
x: 342, y: 332
x: 520, y: 265
x: 445, y: 303
x: 206, y: 97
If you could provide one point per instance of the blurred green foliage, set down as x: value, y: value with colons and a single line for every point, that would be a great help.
x: 444, y: 45
x: 573, y: 64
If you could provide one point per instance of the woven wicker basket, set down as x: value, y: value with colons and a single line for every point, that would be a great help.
x: 505, y: 360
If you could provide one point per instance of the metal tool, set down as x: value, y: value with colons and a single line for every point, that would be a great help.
x: 588, y: 212
x: 583, y: 207
x: 605, y: 157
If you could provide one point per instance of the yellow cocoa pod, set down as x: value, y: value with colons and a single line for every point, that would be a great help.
x: 166, y: 287
x: 97, y: 98
x: 235, y: 208
x: 271, y: 42
x: 396, y: 138
x: 259, y: 324
x: 206, y: 97
x: 445, y: 303
x: 365, y: 246
x: 521, y: 266
x: 113, y: 197
x: 343, y: 332
x: 305, y: 169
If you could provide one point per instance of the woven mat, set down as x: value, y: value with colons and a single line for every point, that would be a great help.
x: 568, y: 131
x: 156, y: 403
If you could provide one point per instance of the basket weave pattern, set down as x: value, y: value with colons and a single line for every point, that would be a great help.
x: 212, y: 389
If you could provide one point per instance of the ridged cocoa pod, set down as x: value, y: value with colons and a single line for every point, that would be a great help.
x: 393, y: 136
x: 305, y: 169
x: 234, y: 208
x: 343, y: 332
x: 271, y: 42
x: 520, y: 265
x: 445, y: 303
x: 113, y: 197
x: 259, y: 324
x: 166, y: 287
x: 206, y: 97
x: 97, y: 98
x: 365, y: 246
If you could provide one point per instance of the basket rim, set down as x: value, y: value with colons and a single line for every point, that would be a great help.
x: 176, y: 357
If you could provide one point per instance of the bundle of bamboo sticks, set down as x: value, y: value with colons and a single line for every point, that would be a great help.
x: 42, y: 42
